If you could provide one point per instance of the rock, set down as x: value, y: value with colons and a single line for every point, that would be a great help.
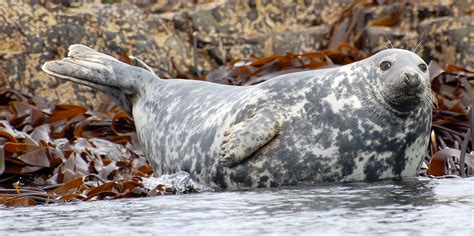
x: 449, y: 40
x: 377, y: 38
x: 215, y: 33
x: 307, y: 40
x: 34, y: 34
x: 251, y: 18
x: 173, y: 35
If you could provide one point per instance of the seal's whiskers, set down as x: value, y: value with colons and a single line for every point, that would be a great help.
x: 430, y: 97
x: 414, y: 51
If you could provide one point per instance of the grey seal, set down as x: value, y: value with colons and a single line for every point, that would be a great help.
x: 367, y: 120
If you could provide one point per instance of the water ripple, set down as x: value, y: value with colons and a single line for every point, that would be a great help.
x: 407, y: 207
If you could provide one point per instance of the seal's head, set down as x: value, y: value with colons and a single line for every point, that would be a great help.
x: 404, y: 79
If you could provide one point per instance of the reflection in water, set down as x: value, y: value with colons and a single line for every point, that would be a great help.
x: 415, y: 206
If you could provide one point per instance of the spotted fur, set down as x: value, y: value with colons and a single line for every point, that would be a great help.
x: 351, y: 123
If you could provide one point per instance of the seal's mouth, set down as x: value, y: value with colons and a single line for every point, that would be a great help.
x: 404, y: 103
x: 408, y: 95
x: 403, y: 98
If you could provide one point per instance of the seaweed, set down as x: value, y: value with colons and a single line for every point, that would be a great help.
x: 59, y: 153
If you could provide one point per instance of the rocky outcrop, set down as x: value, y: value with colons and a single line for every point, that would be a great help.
x: 34, y: 34
x: 443, y: 29
x: 188, y: 39
x: 185, y: 43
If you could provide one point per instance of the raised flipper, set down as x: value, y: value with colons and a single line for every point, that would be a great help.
x: 245, y: 138
x: 85, y: 66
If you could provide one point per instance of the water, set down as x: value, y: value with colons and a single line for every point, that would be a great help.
x: 433, y: 207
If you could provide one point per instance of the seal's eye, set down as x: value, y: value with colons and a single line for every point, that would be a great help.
x: 422, y: 67
x: 385, y: 65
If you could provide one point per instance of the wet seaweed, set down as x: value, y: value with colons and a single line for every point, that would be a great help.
x: 60, y: 153
x: 452, y: 140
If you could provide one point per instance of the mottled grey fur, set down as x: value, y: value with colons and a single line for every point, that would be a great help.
x: 350, y: 123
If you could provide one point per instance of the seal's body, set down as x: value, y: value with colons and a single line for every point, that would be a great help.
x: 364, y: 121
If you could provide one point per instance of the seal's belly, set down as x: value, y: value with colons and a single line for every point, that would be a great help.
x: 272, y: 167
x: 311, y: 150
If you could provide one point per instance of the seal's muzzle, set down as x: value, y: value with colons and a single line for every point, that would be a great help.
x: 412, y: 80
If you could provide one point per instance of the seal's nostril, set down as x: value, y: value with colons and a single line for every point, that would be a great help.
x: 412, y: 80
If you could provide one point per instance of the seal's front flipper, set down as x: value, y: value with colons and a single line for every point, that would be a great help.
x: 245, y: 138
